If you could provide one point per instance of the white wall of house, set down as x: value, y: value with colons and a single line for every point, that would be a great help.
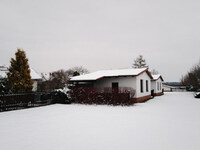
x: 167, y: 88
x: 156, y: 85
x: 34, y: 86
x: 146, y: 90
x: 133, y: 82
x: 153, y: 85
x: 122, y: 82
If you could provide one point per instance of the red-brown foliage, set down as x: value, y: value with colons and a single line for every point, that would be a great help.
x: 110, y: 96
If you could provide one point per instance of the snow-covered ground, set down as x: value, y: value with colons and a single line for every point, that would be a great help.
x: 169, y: 122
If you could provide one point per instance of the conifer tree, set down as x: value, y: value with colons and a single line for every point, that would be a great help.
x: 140, y: 62
x: 76, y: 73
x: 19, y: 77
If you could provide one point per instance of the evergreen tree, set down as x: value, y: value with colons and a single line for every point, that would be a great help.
x: 76, y: 73
x: 19, y: 77
x: 139, y: 62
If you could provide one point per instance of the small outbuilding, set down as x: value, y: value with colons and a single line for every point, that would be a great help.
x: 173, y: 88
x: 137, y: 79
x: 156, y: 85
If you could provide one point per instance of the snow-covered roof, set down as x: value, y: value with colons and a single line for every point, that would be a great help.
x: 157, y: 76
x: 110, y: 73
x: 3, y: 74
x: 3, y: 71
x: 3, y: 68
x: 35, y: 75
x: 45, y: 76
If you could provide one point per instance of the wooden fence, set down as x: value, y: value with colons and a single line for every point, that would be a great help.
x: 20, y: 101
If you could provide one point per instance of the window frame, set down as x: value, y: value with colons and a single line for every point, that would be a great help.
x: 147, y: 86
x: 141, y: 86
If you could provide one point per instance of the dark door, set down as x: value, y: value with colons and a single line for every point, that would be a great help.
x: 115, y: 87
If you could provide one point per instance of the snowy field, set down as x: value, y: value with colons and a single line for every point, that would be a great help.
x: 169, y: 122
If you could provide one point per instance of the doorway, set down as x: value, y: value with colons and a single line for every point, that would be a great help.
x: 115, y: 87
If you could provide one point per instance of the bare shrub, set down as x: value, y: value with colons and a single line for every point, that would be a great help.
x: 110, y: 96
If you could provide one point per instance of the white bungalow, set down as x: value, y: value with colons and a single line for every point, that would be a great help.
x: 137, y: 79
x: 156, y: 85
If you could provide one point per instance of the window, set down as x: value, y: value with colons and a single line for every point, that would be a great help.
x: 115, y: 85
x: 141, y: 86
x: 147, y: 86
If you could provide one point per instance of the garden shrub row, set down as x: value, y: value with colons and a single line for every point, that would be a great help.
x: 109, y: 96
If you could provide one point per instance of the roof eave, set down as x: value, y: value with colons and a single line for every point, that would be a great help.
x: 82, y: 80
x: 146, y: 70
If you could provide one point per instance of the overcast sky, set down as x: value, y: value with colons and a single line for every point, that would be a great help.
x: 102, y: 34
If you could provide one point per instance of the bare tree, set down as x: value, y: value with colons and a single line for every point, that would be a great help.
x: 56, y: 80
x: 59, y: 79
x: 74, y: 71
x: 140, y: 62
x: 192, y: 78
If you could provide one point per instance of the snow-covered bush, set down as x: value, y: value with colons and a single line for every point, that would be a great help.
x: 197, y: 94
x: 60, y: 97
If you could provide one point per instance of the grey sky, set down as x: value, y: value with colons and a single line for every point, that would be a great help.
x: 103, y: 34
